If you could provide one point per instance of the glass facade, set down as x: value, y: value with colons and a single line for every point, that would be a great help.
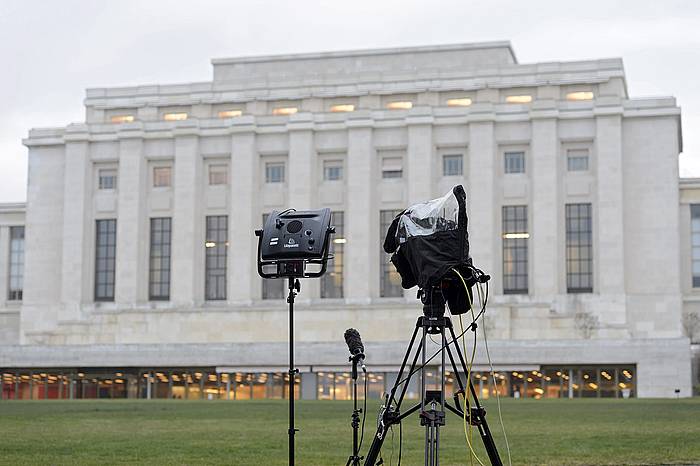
x: 16, y: 272
x: 390, y: 280
x: 579, y: 248
x: 105, y: 255
x: 159, y: 265
x: 515, y: 253
x: 216, y: 247
x: 332, y: 280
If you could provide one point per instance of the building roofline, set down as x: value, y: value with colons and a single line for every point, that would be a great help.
x: 366, y: 52
x: 12, y: 207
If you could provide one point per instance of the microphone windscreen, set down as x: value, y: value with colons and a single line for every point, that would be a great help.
x: 352, y: 338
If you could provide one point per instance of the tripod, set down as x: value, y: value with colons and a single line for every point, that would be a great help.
x: 294, y: 288
x: 432, y: 402
x: 354, y: 459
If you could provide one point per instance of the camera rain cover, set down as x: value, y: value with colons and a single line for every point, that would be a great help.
x: 429, y: 239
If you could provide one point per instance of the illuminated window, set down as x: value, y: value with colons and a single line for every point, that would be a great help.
x: 459, y: 102
x: 582, y: 95
x: 519, y: 99
x: 230, y: 113
x: 400, y: 105
x: 122, y: 118
x: 452, y: 165
x: 107, y: 179
x: 332, y: 281
x: 514, y: 162
x: 332, y: 170
x: 16, y: 263
x: 218, y: 174
x: 343, y: 108
x: 285, y: 111
x: 577, y: 160
x: 175, y: 116
x: 515, y: 239
x: 162, y: 177
x: 392, y: 167
x: 274, y: 172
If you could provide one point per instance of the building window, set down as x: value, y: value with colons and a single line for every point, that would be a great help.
x: 581, y: 95
x: 272, y: 288
x: 695, y: 242
x: 333, y: 170
x: 459, y: 102
x: 390, y: 280
x: 107, y: 178
x: 274, y: 172
x: 515, y: 239
x: 285, y: 110
x: 105, y: 255
x: 392, y: 167
x: 216, y: 247
x: 342, y: 108
x: 579, y: 248
x: 519, y: 99
x: 332, y: 281
x: 122, y: 119
x: 218, y: 174
x: 400, y: 105
x: 452, y: 165
x: 577, y: 160
x: 159, y: 267
x: 230, y: 113
x: 175, y: 116
x: 162, y: 177
x: 514, y: 162
x: 16, y: 263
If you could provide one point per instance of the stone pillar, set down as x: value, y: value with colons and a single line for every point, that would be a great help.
x: 608, y: 218
x: 483, y: 235
x: 188, y: 224
x: 131, y: 280
x: 362, y: 217
x: 420, y: 156
x: 544, y: 208
x: 242, y: 263
x: 77, y: 230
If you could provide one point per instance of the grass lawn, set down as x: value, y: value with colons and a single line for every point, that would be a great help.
x: 556, y: 432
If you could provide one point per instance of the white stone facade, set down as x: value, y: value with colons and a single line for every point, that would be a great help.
x: 631, y: 181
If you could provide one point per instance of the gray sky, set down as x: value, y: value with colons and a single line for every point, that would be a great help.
x: 52, y: 50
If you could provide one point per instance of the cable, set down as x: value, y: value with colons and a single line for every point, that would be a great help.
x: 493, y: 377
x: 364, y: 413
x: 400, y: 440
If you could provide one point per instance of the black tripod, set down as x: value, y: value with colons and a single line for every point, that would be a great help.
x: 354, y: 459
x: 294, y: 288
x: 432, y: 402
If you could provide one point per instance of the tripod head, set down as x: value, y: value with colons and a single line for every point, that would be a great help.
x: 433, y: 301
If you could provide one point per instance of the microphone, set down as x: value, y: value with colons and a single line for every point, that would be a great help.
x: 357, y: 349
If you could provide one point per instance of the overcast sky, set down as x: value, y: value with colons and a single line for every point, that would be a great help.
x: 52, y: 50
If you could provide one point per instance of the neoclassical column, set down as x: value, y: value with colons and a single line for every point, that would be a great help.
x: 480, y: 192
x: 131, y: 281
x: 362, y: 218
x: 420, y: 155
x: 187, y: 283
x: 544, y: 208
x: 245, y: 208
x: 77, y: 228
x: 608, y: 216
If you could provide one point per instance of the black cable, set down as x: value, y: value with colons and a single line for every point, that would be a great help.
x: 364, y: 414
x: 400, y: 440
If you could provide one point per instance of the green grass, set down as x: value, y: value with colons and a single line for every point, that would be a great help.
x: 556, y: 432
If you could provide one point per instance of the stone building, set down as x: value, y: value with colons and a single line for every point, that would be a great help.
x: 130, y: 272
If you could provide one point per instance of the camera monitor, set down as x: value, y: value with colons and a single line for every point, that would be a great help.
x: 291, y: 241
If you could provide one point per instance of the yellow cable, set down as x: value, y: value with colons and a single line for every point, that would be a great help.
x: 468, y: 434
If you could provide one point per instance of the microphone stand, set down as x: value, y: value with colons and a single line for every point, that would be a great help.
x: 355, y: 458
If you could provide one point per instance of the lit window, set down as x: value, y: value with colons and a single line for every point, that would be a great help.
x: 514, y: 162
x: 284, y: 110
x: 107, y: 179
x: 582, y: 95
x: 343, y: 108
x: 333, y: 170
x: 16, y: 263
x: 515, y: 239
x: 230, y: 113
x: 274, y: 172
x: 216, y: 250
x: 519, y: 99
x: 175, y: 116
x: 452, y: 165
x: 577, y: 160
x: 460, y: 102
x: 400, y: 105
x: 218, y: 174
x: 162, y: 177
x: 122, y: 118
x: 392, y: 167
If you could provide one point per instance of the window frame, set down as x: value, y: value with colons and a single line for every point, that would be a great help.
x: 581, y: 234
x: 515, y: 248
x: 215, y: 169
x: 386, y: 268
x: 452, y: 157
x: 101, y: 175
x: 268, y: 172
x: 332, y: 282
x: 156, y: 183
x: 694, y: 246
x: 15, y: 272
x: 508, y: 168
x: 271, y: 288
x: 160, y: 227
x: 105, y: 250
x: 215, y: 275
x: 329, y: 166
x: 571, y: 157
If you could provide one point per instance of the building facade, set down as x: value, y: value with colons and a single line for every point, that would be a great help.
x: 138, y: 257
